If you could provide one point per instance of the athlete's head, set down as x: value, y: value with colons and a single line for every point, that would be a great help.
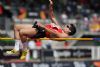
x: 70, y: 29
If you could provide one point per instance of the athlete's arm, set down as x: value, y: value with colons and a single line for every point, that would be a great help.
x: 51, y: 13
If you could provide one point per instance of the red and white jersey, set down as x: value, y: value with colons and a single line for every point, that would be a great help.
x: 53, y: 27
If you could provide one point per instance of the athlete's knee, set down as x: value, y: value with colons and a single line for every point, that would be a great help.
x: 23, y: 35
x: 21, y: 32
x: 17, y: 27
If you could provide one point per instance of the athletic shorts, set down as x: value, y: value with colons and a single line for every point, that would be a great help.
x: 41, y: 33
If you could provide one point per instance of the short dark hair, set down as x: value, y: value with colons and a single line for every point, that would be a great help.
x: 72, y: 28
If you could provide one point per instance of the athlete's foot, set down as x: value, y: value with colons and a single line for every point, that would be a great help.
x: 24, y: 53
x: 11, y: 52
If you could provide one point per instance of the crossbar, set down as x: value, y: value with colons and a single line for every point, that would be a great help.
x: 53, y: 39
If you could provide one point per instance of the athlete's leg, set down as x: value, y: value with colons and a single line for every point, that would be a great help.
x: 24, y: 30
x: 21, y: 33
x: 21, y: 30
x: 24, y: 33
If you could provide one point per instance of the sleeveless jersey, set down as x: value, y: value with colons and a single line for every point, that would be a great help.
x: 54, y: 28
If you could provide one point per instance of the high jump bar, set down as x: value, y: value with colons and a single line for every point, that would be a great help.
x: 55, y: 39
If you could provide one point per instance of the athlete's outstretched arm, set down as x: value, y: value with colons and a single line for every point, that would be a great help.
x: 51, y: 13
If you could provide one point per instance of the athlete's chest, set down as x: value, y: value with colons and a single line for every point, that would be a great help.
x: 54, y: 27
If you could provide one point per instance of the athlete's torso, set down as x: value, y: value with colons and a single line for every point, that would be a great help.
x: 55, y: 28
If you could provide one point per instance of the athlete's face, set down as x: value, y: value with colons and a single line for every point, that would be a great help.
x: 66, y: 28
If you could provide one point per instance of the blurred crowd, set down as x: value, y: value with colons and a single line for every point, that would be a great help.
x: 81, y: 12
x: 84, y: 13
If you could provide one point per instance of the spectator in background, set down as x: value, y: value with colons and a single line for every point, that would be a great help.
x: 1, y: 9
x: 2, y: 25
x: 38, y: 43
x: 86, y: 23
x: 8, y: 18
x: 33, y: 46
x: 99, y: 20
x: 8, y: 2
x: 94, y: 26
x: 64, y: 17
x: 43, y: 13
x: 22, y: 13
x: 7, y: 12
x: 47, y: 44
x: 66, y: 44
x: 82, y: 2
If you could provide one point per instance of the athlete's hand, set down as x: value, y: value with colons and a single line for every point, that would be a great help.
x: 51, y: 3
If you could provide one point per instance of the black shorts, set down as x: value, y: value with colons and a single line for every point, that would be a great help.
x: 41, y: 33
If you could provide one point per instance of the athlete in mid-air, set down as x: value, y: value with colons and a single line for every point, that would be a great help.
x: 38, y: 30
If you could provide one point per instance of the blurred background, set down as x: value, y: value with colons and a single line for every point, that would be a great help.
x: 85, y: 14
